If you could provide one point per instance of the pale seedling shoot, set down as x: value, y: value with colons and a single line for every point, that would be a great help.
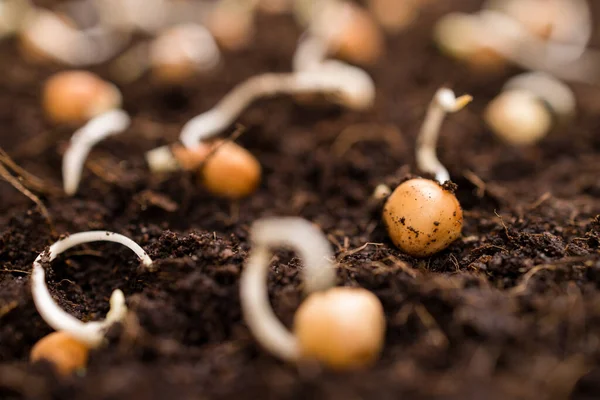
x: 67, y: 348
x: 422, y: 216
x: 84, y: 139
x: 528, y: 106
x: 343, y: 328
x: 348, y: 86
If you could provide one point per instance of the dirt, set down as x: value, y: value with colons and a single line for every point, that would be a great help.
x: 510, y: 310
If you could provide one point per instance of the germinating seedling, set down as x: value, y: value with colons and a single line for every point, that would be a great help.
x: 231, y: 171
x: 341, y: 327
x: 423, y: 217
x: 528, y: 106
x: 81, y: 143
x: 68, y: 349
x: 348, y: 86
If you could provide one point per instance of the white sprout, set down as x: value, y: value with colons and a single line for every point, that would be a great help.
x: 310, y: 53
x: 98, y: 128
x: 558, y: 95
x: 347, y: 85
x: 48, y: 32
x: 443, y: 102
x: 90, y: 333
x: 318, y: 273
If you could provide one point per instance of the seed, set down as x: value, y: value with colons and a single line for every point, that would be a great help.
x: 73, y: 97
x: 342, y: 327
x: 65, y: 353
x: 422, y: 218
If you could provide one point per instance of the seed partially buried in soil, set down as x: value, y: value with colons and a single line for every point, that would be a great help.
x: 422, y: 218
x: 66, y: 354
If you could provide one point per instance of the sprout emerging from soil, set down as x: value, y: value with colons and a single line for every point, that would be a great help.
x: 348, y: 86
x: 91, y: 333
x: 444, y: 102
x: 528, y: 107
x: 82, y: 141
x: 340, y: 327
x: 422, y: 216
x: 225, y: 168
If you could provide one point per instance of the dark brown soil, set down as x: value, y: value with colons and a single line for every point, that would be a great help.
x: 510, y: 310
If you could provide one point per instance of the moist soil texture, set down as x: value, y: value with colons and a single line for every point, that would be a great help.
x: 511, y: 310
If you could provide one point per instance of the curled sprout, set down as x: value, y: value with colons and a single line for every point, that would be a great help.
x: 47, y: 31
x: 347, y: 85
x: 443, y: 102
x: 318, y: 273
x: 90, y: 333
x: 97, y: 129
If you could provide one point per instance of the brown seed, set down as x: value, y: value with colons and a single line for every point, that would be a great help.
x: 518, y: 117
x: 229, y: 171
x: 422, y: 218
x: 65, y: 353
x: 232, y: 27
x: 359, y: 40
x: 342, y: 327
x: 73, y: 97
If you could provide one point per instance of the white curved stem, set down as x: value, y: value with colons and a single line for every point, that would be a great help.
x: 90, y: 333
x: 97, y: 129
x: 318, y: 274
x: 310, y: 52
x: 349, y: 86
x: 443, y: 102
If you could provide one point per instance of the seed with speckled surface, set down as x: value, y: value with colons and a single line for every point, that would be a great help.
x: 422, y: 218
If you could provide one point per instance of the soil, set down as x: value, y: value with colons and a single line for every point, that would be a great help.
x: 510, y: 310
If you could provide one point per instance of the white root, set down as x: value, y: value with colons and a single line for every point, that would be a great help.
x: 90, y: 333
x: 97, y: 129
x: 346, y: 85
x: 318, y: 274
x: 443, y: 102
x: 48, y: 32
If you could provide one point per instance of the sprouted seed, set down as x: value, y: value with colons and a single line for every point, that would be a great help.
x: 340, y: 327
x: 526, y: 109
x: 181, y: 52
x: 73, y: 97
x: 422, y: 216
x: 46, y: 35
x: 89, y: 333
x: 82, y: 141
x: 444, y: 102
x: 224, y: 168
x: 68, y: 355
x: 346, y: 85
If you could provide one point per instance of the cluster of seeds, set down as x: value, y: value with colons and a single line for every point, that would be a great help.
x: 184, y: 39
